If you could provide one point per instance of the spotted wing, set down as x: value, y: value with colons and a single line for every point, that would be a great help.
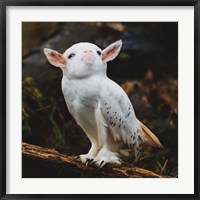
x: 118, y: 114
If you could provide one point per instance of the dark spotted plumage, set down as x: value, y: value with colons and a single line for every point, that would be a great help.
x: 120, y: 124
x: 133, y: 137
x: 139, y: 137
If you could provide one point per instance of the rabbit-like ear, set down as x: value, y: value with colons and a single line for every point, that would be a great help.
x: 55, y: 58
x: 110, y: 52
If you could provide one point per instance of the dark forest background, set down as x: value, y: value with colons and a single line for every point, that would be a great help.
x: 147, y: 69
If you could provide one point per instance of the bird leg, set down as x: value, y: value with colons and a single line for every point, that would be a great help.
x: 88, y: 158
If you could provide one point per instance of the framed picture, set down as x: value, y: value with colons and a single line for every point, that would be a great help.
x: 99, y: 99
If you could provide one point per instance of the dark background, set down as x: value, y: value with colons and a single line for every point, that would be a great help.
x: 146, y: 68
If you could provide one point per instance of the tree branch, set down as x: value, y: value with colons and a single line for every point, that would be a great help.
x: 41, y: 162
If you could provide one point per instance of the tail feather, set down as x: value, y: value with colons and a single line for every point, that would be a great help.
x: 151, y: 138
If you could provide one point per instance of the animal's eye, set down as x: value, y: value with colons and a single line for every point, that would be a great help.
x: 71, y: 55
x: 98, y: 52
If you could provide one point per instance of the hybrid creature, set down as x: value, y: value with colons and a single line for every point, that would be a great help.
x: 99, y: 105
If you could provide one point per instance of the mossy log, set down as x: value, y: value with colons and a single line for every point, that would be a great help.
x: 41, y: 162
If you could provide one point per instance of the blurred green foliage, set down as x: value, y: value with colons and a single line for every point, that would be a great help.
x: 38, y: 114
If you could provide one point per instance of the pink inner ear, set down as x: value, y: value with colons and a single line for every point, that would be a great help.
x: 110, y: 54
x: 57, y: 58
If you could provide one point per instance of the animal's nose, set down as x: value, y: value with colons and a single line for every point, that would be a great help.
x: 88, y: 54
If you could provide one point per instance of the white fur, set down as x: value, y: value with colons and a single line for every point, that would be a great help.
x: 93, y: 99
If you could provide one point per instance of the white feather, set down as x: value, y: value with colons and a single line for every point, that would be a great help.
x: 99, y: 105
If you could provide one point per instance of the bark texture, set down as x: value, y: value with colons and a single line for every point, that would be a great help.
x: 41, y: 162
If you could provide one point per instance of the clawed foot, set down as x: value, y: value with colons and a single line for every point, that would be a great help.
x: 84, y: 158
x: 100, y: 162
x: 103, y: 157
x: 106, y: 156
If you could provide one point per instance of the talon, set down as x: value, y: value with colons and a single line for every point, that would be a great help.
x: 90, y: 161
x: 87, y: 161
x: 93, y: 162
x: 101, y: 163
x: 77, y: 157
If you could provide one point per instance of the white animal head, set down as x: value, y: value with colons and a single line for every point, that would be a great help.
x: 83, y: 59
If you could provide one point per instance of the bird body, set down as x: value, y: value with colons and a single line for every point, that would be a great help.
x: 98, y: 104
